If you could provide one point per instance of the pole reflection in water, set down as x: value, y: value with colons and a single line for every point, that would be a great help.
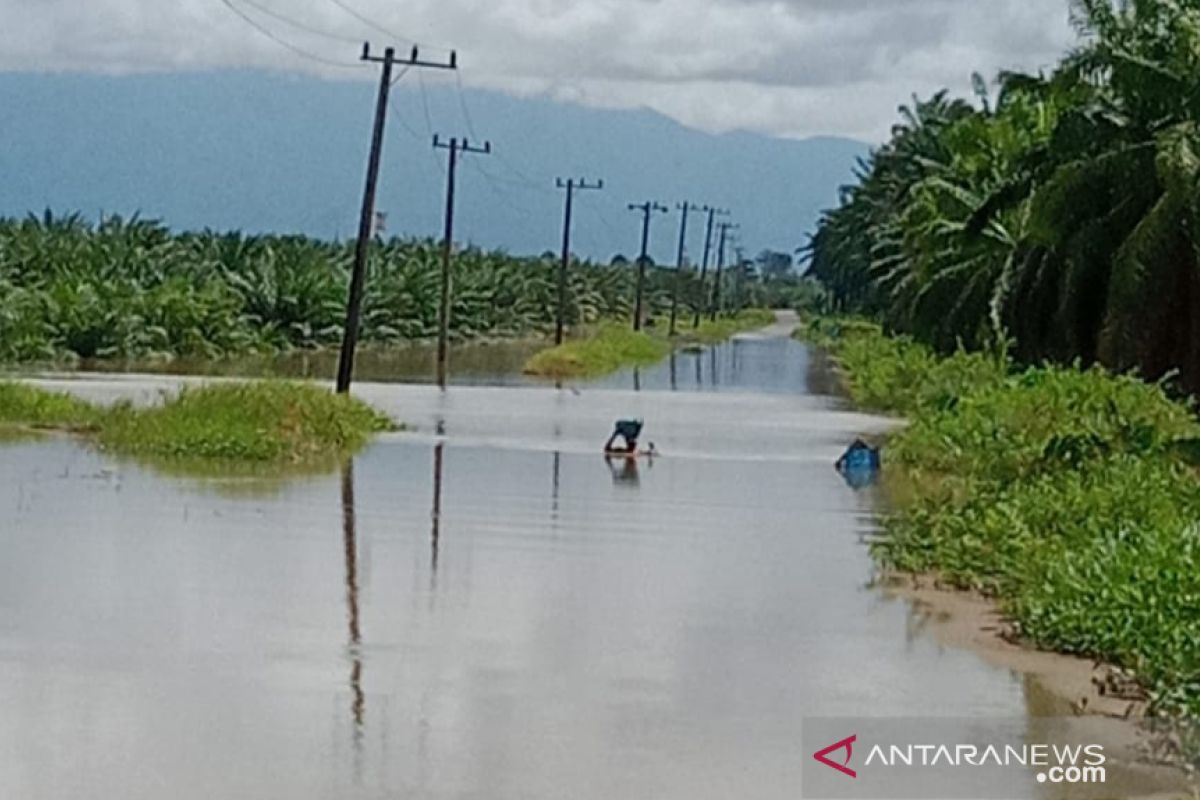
x: 712, y: 367
x: 436, y: 516
x: 674, y: 375
x: 555, y: 482
x: 350, y: 551
x: 699, y: 371
x: 637, y: 379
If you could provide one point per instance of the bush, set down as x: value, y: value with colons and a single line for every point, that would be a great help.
x: 1062, y: 492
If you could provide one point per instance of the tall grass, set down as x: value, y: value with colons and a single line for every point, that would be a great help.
x: 609, y: 348
x: 266, y: 422
x: 1059, y: 491
x: 613, y: 345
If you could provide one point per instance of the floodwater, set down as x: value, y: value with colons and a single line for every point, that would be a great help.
x: 490, y: 362
x: 480, y: 608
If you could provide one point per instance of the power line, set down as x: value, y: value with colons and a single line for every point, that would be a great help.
x: 604, y: 220
x: 370, y: 23
x: 425, y: 104
x: 646, y: 209
x: 454, y: 148
x: 286, y: 20
x: 462, y: 103
x: 358, y: 276
x: 378, y: 28
x: 300, y: 51
x: 571, y: 185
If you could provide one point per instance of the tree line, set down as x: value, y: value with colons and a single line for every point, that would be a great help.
x: 1058, y: 218
x: 130, y: 288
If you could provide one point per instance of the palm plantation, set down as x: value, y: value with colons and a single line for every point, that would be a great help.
x: 1058, y: 218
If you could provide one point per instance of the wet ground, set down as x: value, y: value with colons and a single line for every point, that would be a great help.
x: 480, y: 608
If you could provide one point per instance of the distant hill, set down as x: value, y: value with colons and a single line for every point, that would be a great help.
x: 265, y: 152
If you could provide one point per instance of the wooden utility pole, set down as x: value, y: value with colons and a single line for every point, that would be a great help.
x: 571, y: 186
x: 739, y: 279
x: 647, y: 208
x: 685, y: 208
x: 454, y: 147
x: 366, y: 220
x: 713, y: 213
x: 715, y: 306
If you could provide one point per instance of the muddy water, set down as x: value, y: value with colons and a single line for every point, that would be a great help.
x: 481, y: 608
x: 494, y: 363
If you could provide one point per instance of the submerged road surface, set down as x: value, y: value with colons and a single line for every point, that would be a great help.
x: 481, y: 608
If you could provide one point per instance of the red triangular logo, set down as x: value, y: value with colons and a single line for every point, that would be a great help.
x: 846, y: 744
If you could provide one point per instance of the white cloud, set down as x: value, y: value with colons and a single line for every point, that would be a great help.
x: 785, y: 67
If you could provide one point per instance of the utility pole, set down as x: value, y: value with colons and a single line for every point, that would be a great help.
x: 715, y: 306
x: 647, y: 208
x: 571, y: 185
x: 685, y: 208
x: 454, y: 147
x: 739, y: 279
x: 367, y: 217
x: 713, y: 213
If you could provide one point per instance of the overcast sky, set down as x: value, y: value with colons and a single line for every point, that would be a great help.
x: 788, y: 68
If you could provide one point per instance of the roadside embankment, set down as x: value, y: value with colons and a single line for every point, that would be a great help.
x: 1066, y: 495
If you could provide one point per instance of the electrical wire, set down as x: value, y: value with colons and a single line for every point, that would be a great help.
x: 378, y: 28
x: 286, y: 20
x: 462, y: 104
x: 300, y: 51
x: 425, y: 105
x: 370, y: 23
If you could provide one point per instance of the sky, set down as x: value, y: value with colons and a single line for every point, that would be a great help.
x: 789, y: 68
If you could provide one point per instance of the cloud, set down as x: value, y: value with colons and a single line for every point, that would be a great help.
x: 784, y: 67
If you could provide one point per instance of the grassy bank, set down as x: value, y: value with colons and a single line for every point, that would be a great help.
x: 712, y: 331
x: 264, y: 422
x: 1066, y: 494
x: 611, y: 346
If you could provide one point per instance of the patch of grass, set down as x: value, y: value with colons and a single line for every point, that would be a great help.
x: 264, y: 421
x: 611, y: 347
x: 1061, y: 492
x: 712, y: 331
x: 23, y: 406
x: 261, y: 422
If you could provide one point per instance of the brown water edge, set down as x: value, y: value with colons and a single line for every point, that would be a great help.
x: 1056, y: 685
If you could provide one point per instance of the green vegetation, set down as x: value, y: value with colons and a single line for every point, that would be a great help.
x: 275, y: 422
x: 613, y: 345
x: 712, y: 331
x: 1056, y: 218
x: 1063, y: 492
x: 132, y: 289
x: 24, y: 406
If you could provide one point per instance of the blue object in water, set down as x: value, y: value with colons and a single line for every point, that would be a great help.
x: 859, y: 457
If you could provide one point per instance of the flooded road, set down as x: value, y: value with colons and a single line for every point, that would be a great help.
x: 480, y: 608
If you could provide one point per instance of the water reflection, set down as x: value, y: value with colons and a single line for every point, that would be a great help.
x: 624, y: 471
x: 859, y: 479
x: 556, y: 482
x: 350, y: 551
x: 435, y: 516
x: 492, y: 363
